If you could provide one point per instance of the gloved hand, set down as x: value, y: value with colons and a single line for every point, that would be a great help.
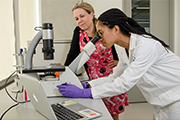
x: 73, y: 91
x: 84, y: 85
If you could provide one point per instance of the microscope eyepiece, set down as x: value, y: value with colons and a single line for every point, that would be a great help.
x: 95, y: 38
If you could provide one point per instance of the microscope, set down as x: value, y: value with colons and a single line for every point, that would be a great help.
x: 67, y: 73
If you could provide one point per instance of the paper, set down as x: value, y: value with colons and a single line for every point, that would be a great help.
x: 66, y: 103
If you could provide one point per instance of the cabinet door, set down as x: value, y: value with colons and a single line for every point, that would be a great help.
x: 160, y: 19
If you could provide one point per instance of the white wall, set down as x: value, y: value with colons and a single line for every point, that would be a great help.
x: 30, y: 16
x: 7, y: 42
x: 28, y: 19
x: 103, y: 5
x: 58, y: 12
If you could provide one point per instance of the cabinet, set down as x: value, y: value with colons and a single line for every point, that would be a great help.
x: 141, y: 13
x: 154, y: 16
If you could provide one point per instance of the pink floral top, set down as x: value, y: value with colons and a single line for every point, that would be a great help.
x: 99, y: 59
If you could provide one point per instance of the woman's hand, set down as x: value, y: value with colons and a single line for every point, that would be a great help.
x: 113, y: 63
x: 73, y: 91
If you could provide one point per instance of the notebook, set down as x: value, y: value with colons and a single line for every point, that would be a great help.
x: 41, y: 104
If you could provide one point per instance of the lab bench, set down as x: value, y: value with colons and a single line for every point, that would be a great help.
x: 26, y: 110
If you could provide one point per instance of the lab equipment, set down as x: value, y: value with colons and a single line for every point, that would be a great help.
x: 19, y: 67
x: 67, y: 73
x: 47, y: 35
x: 48, y: 42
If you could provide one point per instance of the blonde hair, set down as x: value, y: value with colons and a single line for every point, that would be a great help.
x: 88, y: 8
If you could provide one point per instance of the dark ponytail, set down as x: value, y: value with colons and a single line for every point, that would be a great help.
x: 127, y: 25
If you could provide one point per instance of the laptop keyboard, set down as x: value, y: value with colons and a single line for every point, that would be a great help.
x: 63, y: 113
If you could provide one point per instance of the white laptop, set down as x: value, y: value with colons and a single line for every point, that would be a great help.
x: 41, y: 104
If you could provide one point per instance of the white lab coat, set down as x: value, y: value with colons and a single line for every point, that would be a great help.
x: 154, y: 69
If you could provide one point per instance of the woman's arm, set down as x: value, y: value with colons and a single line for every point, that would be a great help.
x: 143, y: 57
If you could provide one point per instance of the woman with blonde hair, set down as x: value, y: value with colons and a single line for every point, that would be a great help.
x: 102, y: 61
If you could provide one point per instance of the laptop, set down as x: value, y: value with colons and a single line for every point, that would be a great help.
x: 41, y: 104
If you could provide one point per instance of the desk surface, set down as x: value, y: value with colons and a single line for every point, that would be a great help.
x: 26, y: 111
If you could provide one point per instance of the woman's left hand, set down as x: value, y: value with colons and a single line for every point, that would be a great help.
x: 112, y: 63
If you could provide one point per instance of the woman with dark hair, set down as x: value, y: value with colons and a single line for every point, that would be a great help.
x: 102, y: 60
x: 151, y: 66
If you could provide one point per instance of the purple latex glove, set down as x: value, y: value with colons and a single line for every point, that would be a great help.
x: 73, y: 91
x: 84, y: 85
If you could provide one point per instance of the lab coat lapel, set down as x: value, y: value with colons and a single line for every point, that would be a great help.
x: 132, y: 46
